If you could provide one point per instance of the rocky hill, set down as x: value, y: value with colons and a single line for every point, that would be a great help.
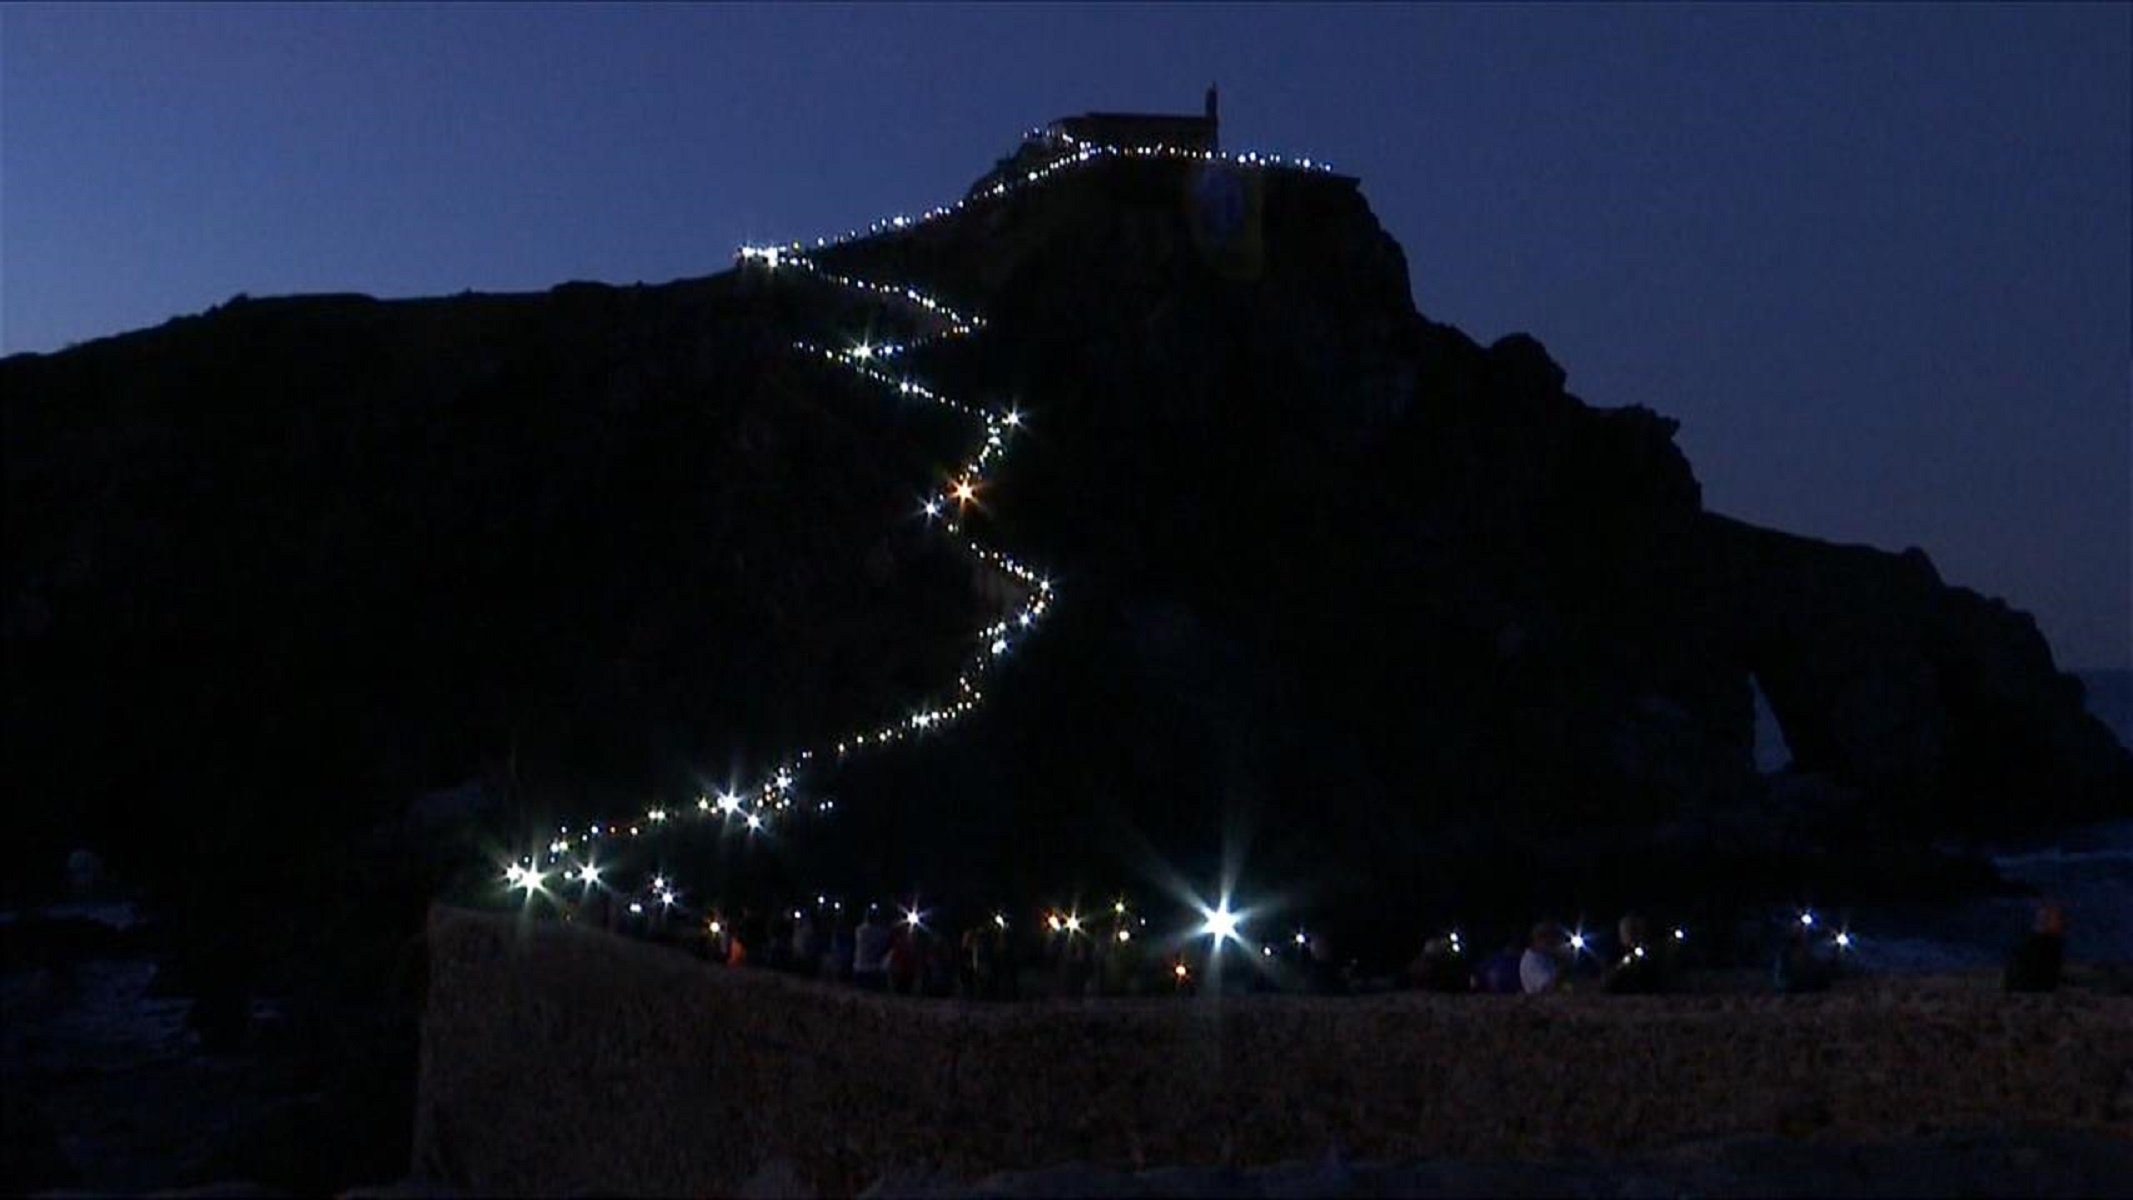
x: 1391, y: 615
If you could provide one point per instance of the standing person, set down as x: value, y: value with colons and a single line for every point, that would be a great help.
x: 901, y: 962
x: 1498, y: 973
x: 870, y: 953
x: 1075, y: 967
x: 1442, y: 968
x: 1544, y: 967
x: 1799, y: 968
x: 837, y: 967
x: 806, y: 953
x: 1639, y: 970
x: 2037, y: 961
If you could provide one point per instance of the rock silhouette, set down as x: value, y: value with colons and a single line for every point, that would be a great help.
x: 1390, y: 615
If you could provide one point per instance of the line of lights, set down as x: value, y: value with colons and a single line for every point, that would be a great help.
x: 571, y: 852
x: 1079, y: 154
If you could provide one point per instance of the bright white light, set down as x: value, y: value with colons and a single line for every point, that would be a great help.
x: 999, y: 920
x: 1844, y: 939
x: 588, y: 874
x: 1300, y: 939
x: 911, y: 916
x: 1807, y: 920
x: 1266, y: 951
x: 667, y: 898
x: 659, y: 883
x: 1577, y: 941
x: 965, y: 492
x: 999, y: 645
x: 1220, y: 923
x: 862, y: 351
x: 636, y: 907
x: 1073, y: 923
x: 784, y: 780
x: 755, y: 821
x: 1638, y: 951
x: 933, y: 508
x: 1119, y: 907
x: 728, y: 803
x: 1013, y: 419
x: 1125, y: 935
x: 1680, y: 935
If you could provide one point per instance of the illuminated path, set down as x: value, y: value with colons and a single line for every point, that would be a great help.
x: 576, y: 854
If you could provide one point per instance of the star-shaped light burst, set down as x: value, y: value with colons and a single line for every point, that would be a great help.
x: 1219, y: 922
x: 518, y: 875
x: 965, y: 491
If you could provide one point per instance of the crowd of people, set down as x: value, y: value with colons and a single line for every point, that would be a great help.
x: 904, y: 952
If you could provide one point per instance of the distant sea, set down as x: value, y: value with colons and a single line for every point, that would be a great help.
x: 2088, y: 869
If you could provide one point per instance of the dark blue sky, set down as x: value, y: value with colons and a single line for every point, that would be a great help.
x: 1877, y: 260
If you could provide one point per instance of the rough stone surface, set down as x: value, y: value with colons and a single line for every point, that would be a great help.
x: 560, y: 1061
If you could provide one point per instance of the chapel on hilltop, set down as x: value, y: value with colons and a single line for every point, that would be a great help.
x: 1046, y: 145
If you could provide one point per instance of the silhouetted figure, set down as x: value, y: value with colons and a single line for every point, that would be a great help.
x: 1321, y: 969
x: 1545, y: 966
x: 870, y: 954
x: 838, y: 967
x: 1076, y: 966
x: 1498, y: 973
x: 2037, y: 961
x: 1442, y: 968
x: 1799, y: 967
x: 901, y: 964
x: 1640, y: 971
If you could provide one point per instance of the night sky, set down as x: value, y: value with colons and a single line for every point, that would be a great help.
x: 1877, y: 260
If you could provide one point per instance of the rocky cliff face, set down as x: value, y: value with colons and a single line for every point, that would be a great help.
x: 1338, y: 584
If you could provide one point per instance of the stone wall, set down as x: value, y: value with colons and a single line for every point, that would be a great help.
x: 561, y: 1061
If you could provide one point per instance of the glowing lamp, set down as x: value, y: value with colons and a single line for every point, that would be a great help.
x: 1125, y: 935
x: 1577, y: 941
x: 1219, y: 923
x: 1073, y: 923
x: 1844, y: 940
x: 1180, y: 971
x: 635, y: 907
x: 999, y: 920
x: 755, y: 821
x: 1807, y: 920
x: 1680, y: 935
